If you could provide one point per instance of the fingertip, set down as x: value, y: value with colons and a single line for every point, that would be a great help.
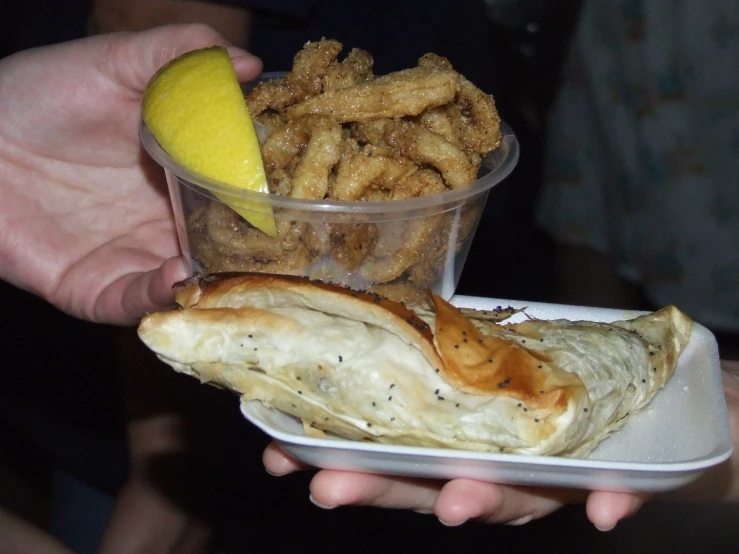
x: 451, y: 523
x: 130, y: 297
x: 605, y: 509
x: 328, y: 488
x: 237, y: 53
x: 277, y: 462
x: 341, y: 488
x: 601, y: 511
x: 320, y: 505
x: 247, y: 66
x: 606, y: 529
x: 176, y: 270
x: 170, y: 272
x: 461, y: 499
x: 141, y: 54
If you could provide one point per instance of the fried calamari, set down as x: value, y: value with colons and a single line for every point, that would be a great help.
x: 336, y: 131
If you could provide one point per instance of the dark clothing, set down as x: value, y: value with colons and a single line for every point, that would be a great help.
x: 30, y: 23
x: 298, y: 9
x: 59, y: 389
x: 395, y: 33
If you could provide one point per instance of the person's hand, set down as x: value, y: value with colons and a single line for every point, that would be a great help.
x: 460, y: 500
x: 453, y: 502
x: 85, y: 218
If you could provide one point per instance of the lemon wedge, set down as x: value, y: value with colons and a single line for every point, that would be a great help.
x: 195, y: 109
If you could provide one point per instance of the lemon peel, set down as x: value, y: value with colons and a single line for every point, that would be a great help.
x: 195, y: 109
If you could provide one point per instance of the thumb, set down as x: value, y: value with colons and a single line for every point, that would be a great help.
x: 136, y: 57
x: 132, y: 296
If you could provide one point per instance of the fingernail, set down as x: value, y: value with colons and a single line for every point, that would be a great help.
x: 237, y: 53
x: 447, y: 524
x: 244, y: 56
x: 310, y: 497
x: 274, y: 474
x: 605, y: 529
x: 521, y: 520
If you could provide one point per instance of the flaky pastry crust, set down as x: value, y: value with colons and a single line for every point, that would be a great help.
x: 366, y: 368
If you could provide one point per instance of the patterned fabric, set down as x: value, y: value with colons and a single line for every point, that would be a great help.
x: 643, y: 159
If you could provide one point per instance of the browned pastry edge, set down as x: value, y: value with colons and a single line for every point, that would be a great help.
x: 496, y: 366
x: 469, y: 360
x: 195, y: 291
x: 537, y: 400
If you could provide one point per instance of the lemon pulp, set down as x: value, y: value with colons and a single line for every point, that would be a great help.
x: 195, y: 109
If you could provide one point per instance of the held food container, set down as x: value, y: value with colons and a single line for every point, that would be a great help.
x: 396, y: 248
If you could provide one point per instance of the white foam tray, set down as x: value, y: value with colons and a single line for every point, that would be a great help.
x: 682, y: 432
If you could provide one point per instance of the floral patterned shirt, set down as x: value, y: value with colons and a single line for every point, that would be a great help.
x: 643, y: 149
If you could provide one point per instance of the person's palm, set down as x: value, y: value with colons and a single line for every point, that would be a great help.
x: 85, y: 220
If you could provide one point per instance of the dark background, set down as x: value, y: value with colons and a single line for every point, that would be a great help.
x: 60, y: 402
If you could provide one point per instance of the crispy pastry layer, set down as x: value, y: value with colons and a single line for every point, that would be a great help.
x: 367, y: 368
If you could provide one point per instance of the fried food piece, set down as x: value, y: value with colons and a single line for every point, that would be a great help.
x: 440, y: 120
x: 311, y: 64
x: 279, y: 181
x: 401, y: 291
x: 473, y: 112
x: 221, y: 241
x: 282, y: 148
x: 426, y: 147
x: 445, y: 121
x: 405, y: 243
x: 291, y: 263
x: 317, y: 238
x: 398, y: 94
x: 477, y: 119
x: 305, y: 79
x: 271, y: 119
x: 434, y: 61
x: 420, y: 183
x: 312, y: 145
x: 289, y: 230
x: 322, y: 153
x: 229, y: 234
x: 276, y: 94
x: 396, y: 246
x: 361, y: 172
x: 430, y: 264
x: 354, y: 69
x: 349, y: 148
x: 249, y: 240
x: 370, y: 131
x: 375, y: 195
x: 352, y: 242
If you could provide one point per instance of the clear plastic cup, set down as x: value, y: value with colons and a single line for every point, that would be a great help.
x: 396, y: 248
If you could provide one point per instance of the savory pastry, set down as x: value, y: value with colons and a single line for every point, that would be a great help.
x: 366, y: 368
